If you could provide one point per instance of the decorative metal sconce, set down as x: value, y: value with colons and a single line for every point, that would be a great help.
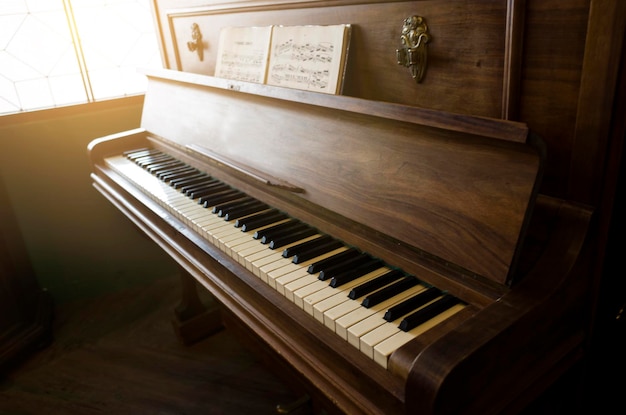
x: 195, y: 45
x: 413, y: 52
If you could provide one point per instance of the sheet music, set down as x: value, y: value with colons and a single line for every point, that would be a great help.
x: 243, y: 53
x: 309, y: 57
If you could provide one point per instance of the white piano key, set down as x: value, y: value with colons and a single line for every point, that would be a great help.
x: 254, y: 247
x: 285, y: 279
x: 371, y: 338
x: 340, y: 310
x: 227, y: 235
x: 237, y: 245
x: 301, y: 293
x: 214, y: 229
x: 340, y: 294
x: 346, y: 321
x: 269, y: 263
x: 313, y: 301
x: 384, y: 349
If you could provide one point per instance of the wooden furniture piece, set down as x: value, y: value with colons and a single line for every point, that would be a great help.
x: 25, y: 309
x: 448, y: 199
x: 556, y: 67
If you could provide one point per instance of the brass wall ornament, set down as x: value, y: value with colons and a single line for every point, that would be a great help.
x: 196, y: 45
x: 413, y: 52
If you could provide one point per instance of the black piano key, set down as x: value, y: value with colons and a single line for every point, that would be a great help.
x: 177, y: 172
x: 280, y: 241
x: 165, y: 170
x: 194, y: 187
x: 411, y: 304
x: 140, y: 152
x: 316, y: 251
x: 220, y: 197
x: 136, y: 155
x: 154, y: 153
x: 235, y: 207
x: 305, y: 246
x: 234, y: 214
x: 259, y: 215
x: 426, y: 313
x: 251, y: 206
x: 183, y: 179
x: 352, y: 274
x: 165, y: 166
x: 223, y: 207
x: 282, y: 232
x: 375, y: 284
x: 250, y: 225
x: 148, y: 160
x: 284, y: 225
x: 159, y: 161
x: 207, y: 189
x: 389, y: 291
x: 327, y: 273
x: 326, y: 262
x: 177, y: 180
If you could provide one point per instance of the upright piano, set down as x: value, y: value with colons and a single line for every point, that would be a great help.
x: 383, y: 258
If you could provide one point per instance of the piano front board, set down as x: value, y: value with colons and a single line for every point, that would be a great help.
x: 401, y: 179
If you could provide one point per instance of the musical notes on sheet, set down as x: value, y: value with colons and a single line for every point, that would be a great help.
x: 243, y: 53
x: 305, y: 69
x: 304, y: 57
x: 300, y: 77
x: 249, y: 67
x: 308, y: 57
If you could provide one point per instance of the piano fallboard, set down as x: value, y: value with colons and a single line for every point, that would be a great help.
x: 442, y: 198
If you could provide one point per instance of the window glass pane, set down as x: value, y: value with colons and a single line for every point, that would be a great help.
x: 42, y: 65
x: 117, y: 37
x: 35, y: 48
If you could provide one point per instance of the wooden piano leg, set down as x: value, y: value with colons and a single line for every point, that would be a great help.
x: 193, y: 321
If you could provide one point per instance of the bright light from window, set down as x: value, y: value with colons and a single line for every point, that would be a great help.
x: 61, y: 52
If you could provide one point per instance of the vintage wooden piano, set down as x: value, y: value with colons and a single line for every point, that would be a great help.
x: 434, y: 199
x: 385, y: 258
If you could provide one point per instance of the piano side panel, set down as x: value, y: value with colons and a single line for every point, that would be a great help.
x: 466, y: 73
x: 460, y: 197
x: 515, y: 347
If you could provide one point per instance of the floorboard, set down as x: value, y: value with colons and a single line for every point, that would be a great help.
x: 118, y: 354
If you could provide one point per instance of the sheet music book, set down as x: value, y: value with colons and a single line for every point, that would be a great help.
x: 309, y: 57
x: 304, y: 57
x: 243, y: 52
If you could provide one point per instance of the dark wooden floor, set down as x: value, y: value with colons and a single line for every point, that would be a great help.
x: 118, y: 354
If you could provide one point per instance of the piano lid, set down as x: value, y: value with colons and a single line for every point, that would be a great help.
x: 455, y: 187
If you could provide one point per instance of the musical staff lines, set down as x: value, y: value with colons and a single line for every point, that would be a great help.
x: 309, y: 57
x: 303, y: 57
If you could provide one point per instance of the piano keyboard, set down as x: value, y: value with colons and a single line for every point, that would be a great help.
x: 374, y: 307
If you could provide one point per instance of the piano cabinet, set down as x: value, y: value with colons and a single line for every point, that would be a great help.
x: 519, y: 326
x: 528, y: 282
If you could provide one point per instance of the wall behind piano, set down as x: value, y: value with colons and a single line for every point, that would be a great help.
x: 78, y: 243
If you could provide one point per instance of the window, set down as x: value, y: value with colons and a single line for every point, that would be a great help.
x: 63, y: 52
